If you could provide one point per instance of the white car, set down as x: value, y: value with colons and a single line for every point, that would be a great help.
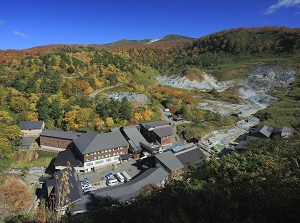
x: 112, y: 182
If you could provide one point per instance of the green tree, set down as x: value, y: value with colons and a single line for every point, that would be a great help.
x: 42, y: 107
x: 18, y: 104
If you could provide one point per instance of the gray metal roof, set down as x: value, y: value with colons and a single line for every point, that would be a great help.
x: 193, y: 155
x: 93, y: 142
x: 163, y: 132
x: 60, y: 134
x: 27, y: 125
x: 132, y: 188
x: 155, y: 124
x: 135, y: 138
x: 265, y: 130
x: 169, y: 160
x: 283, y: 129
x: 26, y: 141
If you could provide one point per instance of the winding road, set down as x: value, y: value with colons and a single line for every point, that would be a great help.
x: 92, y: 95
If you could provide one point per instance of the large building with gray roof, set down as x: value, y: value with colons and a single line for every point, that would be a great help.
x: 157, y: 132
x: 155, y: 176
x: 57, y: 139
x: 32, y: 128
x: 135, y: 139
x: 97, y: 150
x: 170, y: 163
x: 192, y: 155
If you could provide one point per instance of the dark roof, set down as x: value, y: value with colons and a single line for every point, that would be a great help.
x: 241, y: 145
x: 60, y: 134
x: 283, y: 129
x: 169, y: 160
x: 50, y: 182
x: 135, y: 138
x: 26, y: 141
x: 125, y: 156
x: 132, y: 188
x: 266, y: 130
x: 122, y: 192
x: 26, y: 125
x: 156, y: 124
x: 68, y: 155
x: 73, y: 180
x: 193, y: 155
x: 92, y: 142
x: 163, y: 132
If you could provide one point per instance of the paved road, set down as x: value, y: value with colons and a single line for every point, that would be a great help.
x: 92, y: 95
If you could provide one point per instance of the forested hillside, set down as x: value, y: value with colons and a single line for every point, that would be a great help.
x: 54, y: 83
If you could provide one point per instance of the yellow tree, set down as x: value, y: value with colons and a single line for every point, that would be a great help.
x: 138, y: 116
x: 13, y: 132
x: 5, y: 117
x: 109, y: 122
x: 84, y: 116
x: 99, y: 123
x: 70, y: 120
x: 147, y: 115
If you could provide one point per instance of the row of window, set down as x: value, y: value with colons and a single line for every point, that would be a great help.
x: 103, y: 151
x: 103, y: 161
x: 50, y: 144
x: 45, y: 141
x: 107, y: 155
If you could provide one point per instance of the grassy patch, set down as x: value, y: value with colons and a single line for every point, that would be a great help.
x: 24, y: 164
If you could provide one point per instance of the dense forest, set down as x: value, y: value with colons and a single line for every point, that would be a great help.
x: 53, y: 83
x: 261, y: 185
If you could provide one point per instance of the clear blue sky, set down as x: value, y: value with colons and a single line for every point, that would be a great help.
x: 29, y: 23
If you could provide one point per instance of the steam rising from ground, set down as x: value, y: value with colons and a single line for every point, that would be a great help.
x: 247, y: 93
x: 207, y: 84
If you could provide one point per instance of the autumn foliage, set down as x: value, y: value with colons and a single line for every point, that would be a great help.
x: 14, y: 195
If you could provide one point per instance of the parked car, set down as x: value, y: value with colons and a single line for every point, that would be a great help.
x: 87, y: 190
x: 85, y: 186
x: 112, y: 182
x: 119, y: 177
x: 126, y: 176
x: 108, y: 176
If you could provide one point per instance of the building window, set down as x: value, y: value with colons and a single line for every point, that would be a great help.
x: 109, y: 150
x: 105, y: 151
x: 114, y: 154
x: 102, y: 157
x: 121, y: 153
x: 100, y: 161
x: 102, y: 152
x: 105, y: 155
x: 117, y: 153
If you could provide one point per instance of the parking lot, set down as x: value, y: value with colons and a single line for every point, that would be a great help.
x: 97, y: 179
